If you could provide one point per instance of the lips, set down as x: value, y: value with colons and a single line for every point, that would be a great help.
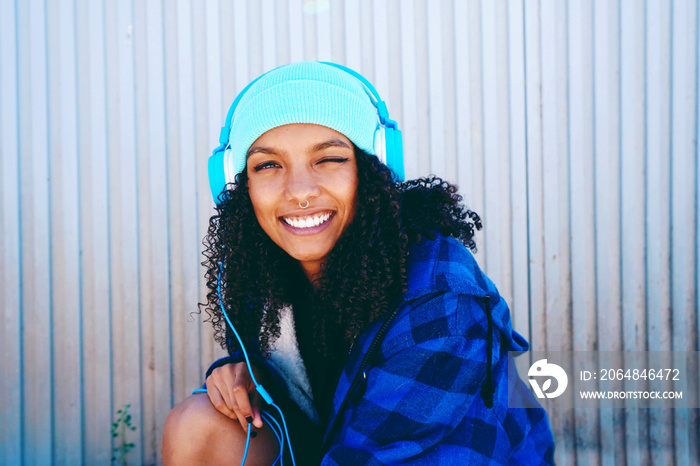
x: 309, y: 221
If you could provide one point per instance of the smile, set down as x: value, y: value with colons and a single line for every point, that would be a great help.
x: 307, y: 222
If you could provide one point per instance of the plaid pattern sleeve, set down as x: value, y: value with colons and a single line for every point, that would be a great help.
x: 420, y: 402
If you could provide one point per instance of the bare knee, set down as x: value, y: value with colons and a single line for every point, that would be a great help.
x: 196, y: 433
x: 195, y: 413
x: 186, y: 430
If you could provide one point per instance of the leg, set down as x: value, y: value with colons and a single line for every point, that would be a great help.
x: 196, y: 433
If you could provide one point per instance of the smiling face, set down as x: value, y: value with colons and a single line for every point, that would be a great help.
x: 290, y: 165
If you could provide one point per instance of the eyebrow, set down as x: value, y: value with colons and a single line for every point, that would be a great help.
x: 330, y: 143
x: 318, y: 147
x: 260, y: 149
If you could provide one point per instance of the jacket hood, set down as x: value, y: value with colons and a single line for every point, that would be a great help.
x: 446, y: 265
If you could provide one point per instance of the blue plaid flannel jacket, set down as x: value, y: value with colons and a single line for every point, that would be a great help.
x: 418, y: 388
x: 421, y: 395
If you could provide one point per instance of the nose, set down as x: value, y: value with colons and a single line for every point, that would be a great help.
x: 302, y: 184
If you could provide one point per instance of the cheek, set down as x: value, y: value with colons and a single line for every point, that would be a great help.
x: 350, y: 196
x: 262, y: 201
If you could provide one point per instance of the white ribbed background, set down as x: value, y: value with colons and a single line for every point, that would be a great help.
x: 571, y: 127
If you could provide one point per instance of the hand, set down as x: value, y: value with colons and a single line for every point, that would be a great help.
x: 232, y: 392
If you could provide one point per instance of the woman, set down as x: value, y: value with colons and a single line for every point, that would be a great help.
x: 365, y: 315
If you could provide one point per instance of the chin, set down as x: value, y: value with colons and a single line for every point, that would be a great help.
x: 309, y: 257
x: 314, y: 254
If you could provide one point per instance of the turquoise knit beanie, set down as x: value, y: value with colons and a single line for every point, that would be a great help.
x: 306, y: 92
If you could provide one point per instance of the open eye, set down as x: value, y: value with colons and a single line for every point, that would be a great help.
x: 265, y: 165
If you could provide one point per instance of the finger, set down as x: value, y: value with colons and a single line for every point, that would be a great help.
x: 240, y: 395
x: 223, y: 379
x: 232, y: 401
x: 256, y: 401
x: 242, y: 391
x: 218, y: 401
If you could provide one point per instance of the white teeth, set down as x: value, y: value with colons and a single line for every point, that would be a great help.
x: 307, y: 222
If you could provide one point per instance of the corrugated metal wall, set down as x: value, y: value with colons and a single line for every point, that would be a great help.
x: 570, y: 126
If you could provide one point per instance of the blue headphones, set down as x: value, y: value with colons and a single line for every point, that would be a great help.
x: 388, y: 145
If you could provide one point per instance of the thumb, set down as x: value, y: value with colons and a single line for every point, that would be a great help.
x: 256, y: 403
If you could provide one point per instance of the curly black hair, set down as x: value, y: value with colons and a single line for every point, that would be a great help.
x: 363, y: 274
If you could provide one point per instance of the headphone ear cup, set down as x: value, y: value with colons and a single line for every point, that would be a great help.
x: 394, y: 151
x: 217, y: 173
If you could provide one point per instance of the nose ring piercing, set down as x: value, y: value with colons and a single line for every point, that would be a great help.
x: 304, y: 206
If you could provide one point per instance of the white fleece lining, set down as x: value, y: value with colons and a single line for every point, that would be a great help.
x: 286, y: 359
